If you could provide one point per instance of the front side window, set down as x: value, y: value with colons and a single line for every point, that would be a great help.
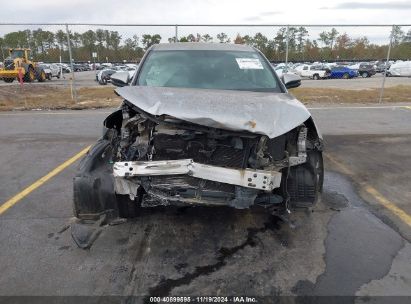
x: 208, y: 69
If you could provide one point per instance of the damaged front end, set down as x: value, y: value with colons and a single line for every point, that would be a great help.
x: 161, y: 160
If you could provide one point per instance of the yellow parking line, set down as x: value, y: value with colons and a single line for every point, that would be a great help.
x: 406, y: 218
x: 408, y: 107
x: 401, y: 214
x: 15, y: 199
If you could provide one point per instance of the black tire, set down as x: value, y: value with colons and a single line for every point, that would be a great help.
x: 30, y: 75
x: 49, y: 76
x: 41, y: 75
x: 316, y: 158
x: 346, y: 76
x: 103, y: 81
x: 364, y: 74
x: 8, y: 80
x: 316, y: 77
x: 58, y: 75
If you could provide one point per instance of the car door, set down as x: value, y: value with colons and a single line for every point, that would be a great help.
x: 407, y: 69
x: 336, y: 73
x: 54, y: 70
x: 279, y: 71
x: 353, y: 73
x: 305, y: 72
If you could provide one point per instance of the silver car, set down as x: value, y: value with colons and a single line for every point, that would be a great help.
x: 202, y: 124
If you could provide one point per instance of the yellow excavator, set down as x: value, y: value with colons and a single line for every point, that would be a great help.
x: 18, y: 64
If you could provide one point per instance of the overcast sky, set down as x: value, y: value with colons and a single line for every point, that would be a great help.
x: 208, y: 11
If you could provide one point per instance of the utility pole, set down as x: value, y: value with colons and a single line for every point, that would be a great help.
x: 386, y: 64
x: 60, y: 66
x: 176, y: 35
x: 286, y: 47
x: 73, y: 82
x: 2, y: 52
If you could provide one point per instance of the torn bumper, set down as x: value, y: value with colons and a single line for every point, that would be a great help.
x: 249, y: 178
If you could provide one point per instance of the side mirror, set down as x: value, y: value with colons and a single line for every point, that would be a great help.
x: 291, y: 80
x: 120, y: 79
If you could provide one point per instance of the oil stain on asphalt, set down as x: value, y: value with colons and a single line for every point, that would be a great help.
x: 165, y: 286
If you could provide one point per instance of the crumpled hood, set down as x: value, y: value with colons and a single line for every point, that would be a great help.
x: 270, y: 114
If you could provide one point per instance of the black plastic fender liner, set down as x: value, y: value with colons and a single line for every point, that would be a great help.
x: 314, y: 134
x: 93, y: 185
x: 114, y: 120
x: 305, y: 181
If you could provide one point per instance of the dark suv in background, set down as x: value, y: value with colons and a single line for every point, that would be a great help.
x: 366, y: 70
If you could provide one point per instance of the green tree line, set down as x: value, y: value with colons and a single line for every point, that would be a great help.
x: 110, y: 45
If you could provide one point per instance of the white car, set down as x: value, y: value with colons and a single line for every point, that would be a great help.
x: 51, y: 70
x: 103, y: 76
x: 65, y: 68
x: 313, y: 71
x: 402, y: 68
x: 281, y: 70
x: 131, y: 72
x: 299, y: 69
x: 355, y: 66
x: 131, y: 65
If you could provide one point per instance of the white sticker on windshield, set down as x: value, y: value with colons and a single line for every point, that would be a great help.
x: 249, y: 64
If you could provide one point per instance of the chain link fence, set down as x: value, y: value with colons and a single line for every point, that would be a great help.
x: 337, y: 63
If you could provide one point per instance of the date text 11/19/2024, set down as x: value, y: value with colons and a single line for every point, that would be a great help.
x: 203, y: 299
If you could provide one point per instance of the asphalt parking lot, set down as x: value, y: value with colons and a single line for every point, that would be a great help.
x: 355, y: 242
x: 87, y: 79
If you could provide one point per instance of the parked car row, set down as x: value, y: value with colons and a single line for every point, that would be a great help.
x: 79, y: 67
x: 317, y: 72
x: 104, y: 76
x: 345, y: 70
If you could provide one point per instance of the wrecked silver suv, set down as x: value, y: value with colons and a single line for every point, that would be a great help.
x: 202, y: 124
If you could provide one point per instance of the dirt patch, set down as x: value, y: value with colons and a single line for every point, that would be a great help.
x: 32, y: 96
x: 400, y: 93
